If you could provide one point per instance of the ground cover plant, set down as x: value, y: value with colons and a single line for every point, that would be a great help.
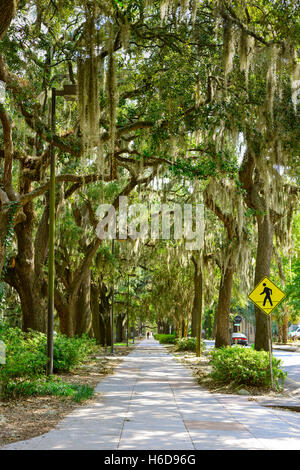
x: 48, y: 386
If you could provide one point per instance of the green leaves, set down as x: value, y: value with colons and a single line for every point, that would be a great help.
x: 206, y: 166
x: 293, y: 288
x: 188, y: 344
x: 245, y: 366
x: 26, y: 356
x: 165, y: 339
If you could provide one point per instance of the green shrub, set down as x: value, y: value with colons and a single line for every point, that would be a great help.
x: 165, y: 339
x: 26, y: 356
x: 68, y: 352
x: 188, y: 344
x: 245, y: 366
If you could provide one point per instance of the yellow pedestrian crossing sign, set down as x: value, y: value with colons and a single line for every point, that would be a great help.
x: 266, y: 295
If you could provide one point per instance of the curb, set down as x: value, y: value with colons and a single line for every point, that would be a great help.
x: 292, y: 405
x: 286, y: 348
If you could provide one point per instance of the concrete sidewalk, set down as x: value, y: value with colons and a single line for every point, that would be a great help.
x: 151, y: 402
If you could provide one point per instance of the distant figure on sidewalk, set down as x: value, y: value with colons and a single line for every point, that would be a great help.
x: 148, y: 334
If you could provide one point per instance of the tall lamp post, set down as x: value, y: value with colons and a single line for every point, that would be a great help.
x: 68, y: 92
x: 112, y: 304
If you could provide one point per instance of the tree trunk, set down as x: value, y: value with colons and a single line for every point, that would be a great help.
x: 197, y: 311
x: 106, y: 330
x: 27, y: 276
x: 178, y: 328
x: 104, y: 308
x: 197, y: 298
x: 223, y: 309
x: 77, y: 316
x: 103, y: 336
x: 82, y: 313
x: 200, y: 313
x: 95, y: 313
x: 65, y: 321
x: 120, y: 333
x: 285, y: 326
x: 262, y: 269
x: 8, y: 10
x: 280, y: 335
x: 214, y: 328
x: 33, y: 297
x: 73, y: 304
x: 184, y: 328
x: 34, y: 306
x: 252, y: 183
x: 3, y: 232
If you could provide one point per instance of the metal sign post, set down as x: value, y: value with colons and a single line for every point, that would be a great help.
x: 112, y: 305
x: 270, y: 349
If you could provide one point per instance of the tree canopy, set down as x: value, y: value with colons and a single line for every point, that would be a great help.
x: 176, y: 102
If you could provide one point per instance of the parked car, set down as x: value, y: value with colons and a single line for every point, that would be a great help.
x: 294, y: 334
x: 239, y: 338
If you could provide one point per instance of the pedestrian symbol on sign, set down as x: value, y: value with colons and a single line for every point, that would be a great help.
x: 268, y: 292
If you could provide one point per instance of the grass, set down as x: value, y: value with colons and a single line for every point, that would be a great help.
x: 50, y: 386
x: 123, y: 344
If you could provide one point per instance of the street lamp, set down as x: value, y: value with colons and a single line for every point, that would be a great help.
x: 112, y: 303
x: 68, y: 93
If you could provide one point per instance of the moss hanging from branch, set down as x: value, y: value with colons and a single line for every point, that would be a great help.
x: 295, y: 77
x: 227, y: 203
x: 112, y: 94
x: 271, y: 79
x: 170, y: 7
x: 125, y: 32
x: 246, y: 51
x: 165, y: 8
x: 88, y: 85
x: 194, y: 8
x: 228, y: 46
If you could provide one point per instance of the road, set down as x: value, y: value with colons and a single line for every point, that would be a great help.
x: 291, y: 363
x: 290, y: 360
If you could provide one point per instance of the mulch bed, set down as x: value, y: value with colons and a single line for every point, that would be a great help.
x: 26, y: 417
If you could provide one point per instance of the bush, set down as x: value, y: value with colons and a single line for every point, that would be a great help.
x: 26, y: 354
x: 245, y: 366
x: 165, y: 339
x: 188, y: 344
x: 68, y: 352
